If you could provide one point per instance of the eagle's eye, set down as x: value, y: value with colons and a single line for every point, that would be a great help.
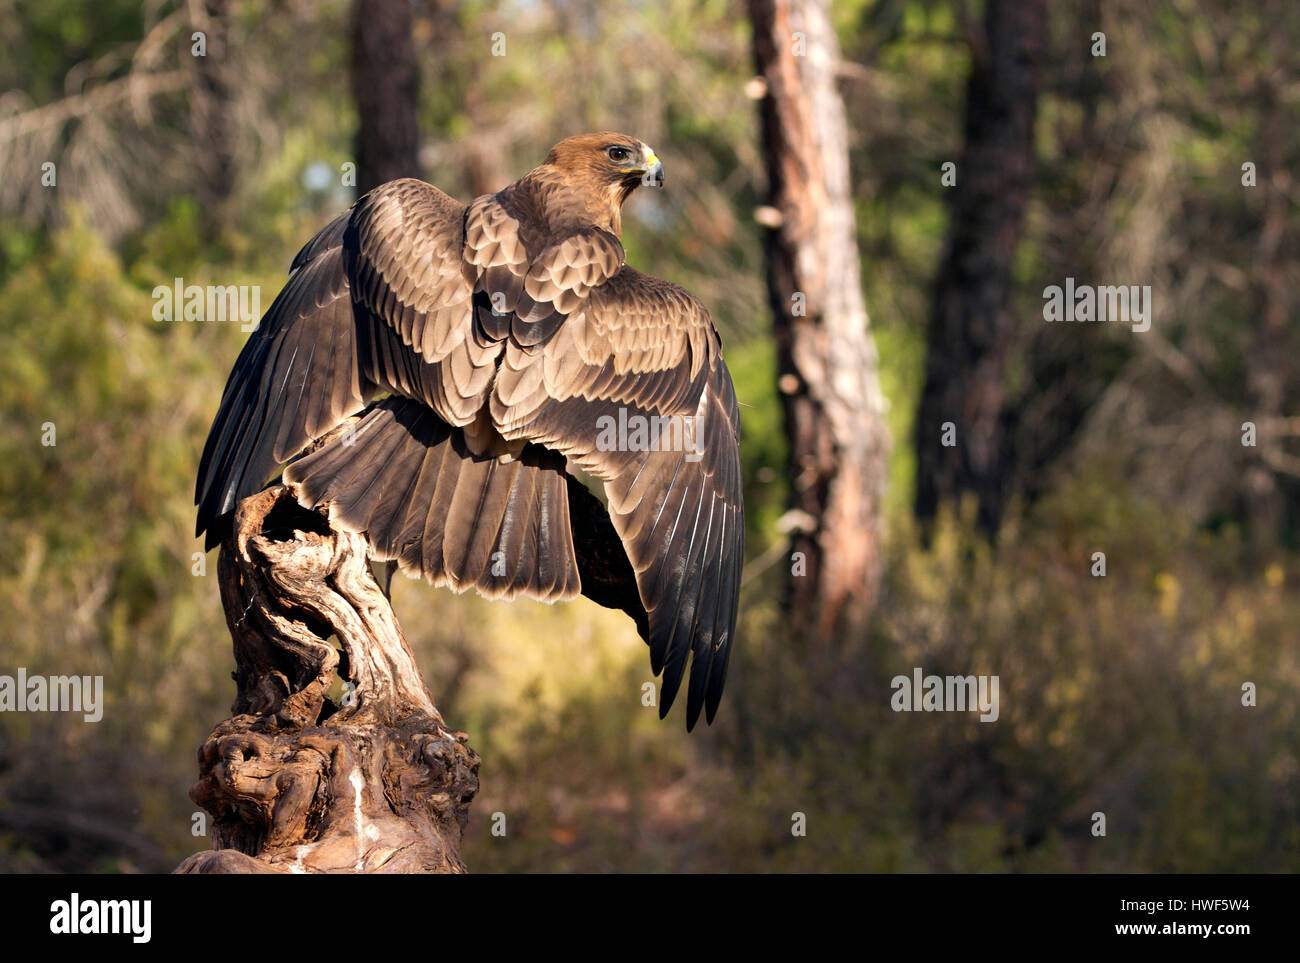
x: 619, y: 155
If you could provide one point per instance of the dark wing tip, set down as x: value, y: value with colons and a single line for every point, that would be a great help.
x: 691, y: 719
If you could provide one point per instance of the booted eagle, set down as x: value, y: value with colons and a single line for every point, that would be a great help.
x: 509, y: 343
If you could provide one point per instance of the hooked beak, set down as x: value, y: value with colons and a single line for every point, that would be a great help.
x: 654, y: 170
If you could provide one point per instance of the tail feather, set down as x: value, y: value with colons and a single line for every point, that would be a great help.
x: 407, y: 480
x: 465, y: 513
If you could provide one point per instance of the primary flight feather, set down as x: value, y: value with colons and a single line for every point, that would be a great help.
x: 508, y: 342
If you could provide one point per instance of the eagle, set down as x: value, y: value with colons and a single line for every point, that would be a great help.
x: 484, y: 358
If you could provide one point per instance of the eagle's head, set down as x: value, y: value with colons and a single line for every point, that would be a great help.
x: 617, y: 160
x: 605, y: 168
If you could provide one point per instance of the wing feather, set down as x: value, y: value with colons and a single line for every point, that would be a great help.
x: 463, y: 308
x: 297, y: 372
x: 647, y: 347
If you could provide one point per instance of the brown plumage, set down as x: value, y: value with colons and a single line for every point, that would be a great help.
x: 507, y: 335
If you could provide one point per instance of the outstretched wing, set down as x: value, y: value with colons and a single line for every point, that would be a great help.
x: 637, y: 352
x: 377, y: 301
x: 296, y: 378
x: 413, y: 294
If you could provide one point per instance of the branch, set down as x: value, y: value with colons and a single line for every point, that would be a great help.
x: 303, y: 778
x: 134, y: 85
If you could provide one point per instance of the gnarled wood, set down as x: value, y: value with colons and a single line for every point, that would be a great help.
x: 297, y: 781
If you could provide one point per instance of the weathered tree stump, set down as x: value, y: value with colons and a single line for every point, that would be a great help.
x: 304, y: 778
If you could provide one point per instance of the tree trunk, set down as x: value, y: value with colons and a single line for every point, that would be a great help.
x: 386, y: 89
x: 1065, y: 377
x: 307, y: 777
x: 213, y: 130
x: 971, y: 322
x: 827, y: 364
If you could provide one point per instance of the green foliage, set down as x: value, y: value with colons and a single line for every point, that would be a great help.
x: 101, y: 581
x: 762, y: 435
x: 1119, y: 694
x: 43, y: 41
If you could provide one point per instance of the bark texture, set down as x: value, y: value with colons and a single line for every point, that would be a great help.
x: 971, y: 322
x: 308, y: 776
x: 828, y: 373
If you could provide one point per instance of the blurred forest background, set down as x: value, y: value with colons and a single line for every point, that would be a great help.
x: 1120, y: 694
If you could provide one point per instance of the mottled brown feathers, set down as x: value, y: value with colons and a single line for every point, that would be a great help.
x: 508, y: 335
